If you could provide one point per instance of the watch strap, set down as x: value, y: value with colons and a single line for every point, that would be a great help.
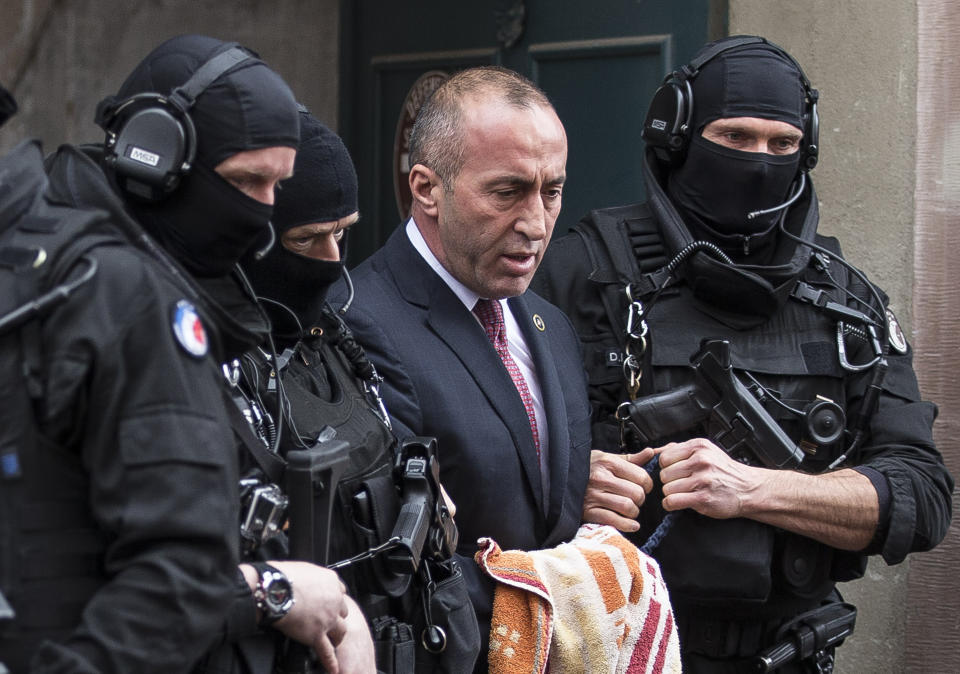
x: 269, y: 612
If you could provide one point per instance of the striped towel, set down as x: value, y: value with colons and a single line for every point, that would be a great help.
x: 595, y: 604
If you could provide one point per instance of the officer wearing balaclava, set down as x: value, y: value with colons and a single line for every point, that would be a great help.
x: 726, y: 248
x: 312, y: 218
x: 207, y: 223
x: 120, y: 520
x: 717, y: 185
x: 219, y: 214
x: 742, y: 162
x: 331, y: 389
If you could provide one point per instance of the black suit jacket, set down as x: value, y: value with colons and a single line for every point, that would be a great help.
x: 443, y: 378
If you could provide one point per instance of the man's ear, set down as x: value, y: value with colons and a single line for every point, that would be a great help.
x: 424, y: 187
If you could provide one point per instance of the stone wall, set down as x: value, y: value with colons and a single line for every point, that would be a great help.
x: 888, y: 183
x: 933, y: 630
x: 60, y: 58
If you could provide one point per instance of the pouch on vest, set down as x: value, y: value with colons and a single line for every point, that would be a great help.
x: 732, y: 561
x: 452, y: 612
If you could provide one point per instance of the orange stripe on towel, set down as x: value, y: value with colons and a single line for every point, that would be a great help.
x: 631, y: 556
x: 606, y: 577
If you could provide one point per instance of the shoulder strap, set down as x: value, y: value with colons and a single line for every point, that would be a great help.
x: 609, y: 245
x: 40, y: 253
x: 605, y: 236
x: 848, y: 296
x: 271, y: 464
x: 611, y: 262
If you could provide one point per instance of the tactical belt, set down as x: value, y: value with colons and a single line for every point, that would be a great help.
x: 727, y: 638
x: 731, y: 638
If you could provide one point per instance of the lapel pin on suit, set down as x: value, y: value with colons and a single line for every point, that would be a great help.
x: 537, y: 321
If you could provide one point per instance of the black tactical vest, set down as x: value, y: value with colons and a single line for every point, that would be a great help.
x: 329, y: 401
x: 329, y: 398
x: 734, y: 568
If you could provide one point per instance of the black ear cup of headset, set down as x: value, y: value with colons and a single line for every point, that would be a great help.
x: 150, y: 144
x: 151, y: 141
x: 666, y: 128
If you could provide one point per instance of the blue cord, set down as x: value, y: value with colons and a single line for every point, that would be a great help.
x: 654, y: 539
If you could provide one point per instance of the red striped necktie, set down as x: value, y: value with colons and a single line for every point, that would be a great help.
x: 490, y: 314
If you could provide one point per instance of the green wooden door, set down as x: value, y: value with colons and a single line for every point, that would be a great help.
x: 599, y: 62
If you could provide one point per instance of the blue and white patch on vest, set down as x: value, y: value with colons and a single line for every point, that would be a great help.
x: 895, y: 334
x: 189, y: 330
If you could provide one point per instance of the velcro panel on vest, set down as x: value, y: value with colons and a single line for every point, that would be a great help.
x: 797, y: 341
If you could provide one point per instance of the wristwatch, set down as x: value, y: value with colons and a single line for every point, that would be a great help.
x: 273, y: 593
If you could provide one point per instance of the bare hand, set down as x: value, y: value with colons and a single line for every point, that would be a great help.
x: 318, y: 616
x: 617, y: 488
x: 699, y: 475
x: 355, y: 653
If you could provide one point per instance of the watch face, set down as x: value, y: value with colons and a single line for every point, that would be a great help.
x: 274, y: 595
x: 278, y: 591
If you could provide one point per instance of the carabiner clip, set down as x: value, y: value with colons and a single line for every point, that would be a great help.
x: 635, y: 317
x: 842, y: 353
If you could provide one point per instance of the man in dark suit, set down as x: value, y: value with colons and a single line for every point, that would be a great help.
x: 488, y: 156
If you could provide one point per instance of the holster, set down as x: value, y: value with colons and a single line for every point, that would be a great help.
x: 394, y: 646
x: 400, y: 647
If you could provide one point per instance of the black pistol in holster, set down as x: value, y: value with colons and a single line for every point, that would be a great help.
x: 424, y: 527
x: 424, y: 530
x: 811, y: 636
x: 310, y: 481
x: 744, y: 429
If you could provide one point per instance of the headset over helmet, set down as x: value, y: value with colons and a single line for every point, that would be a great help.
x: 151, y: 140
x: 670, y: 117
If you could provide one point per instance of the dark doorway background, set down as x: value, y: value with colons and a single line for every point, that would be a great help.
x: 598, y: 62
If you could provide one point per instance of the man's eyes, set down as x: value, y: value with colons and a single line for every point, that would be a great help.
x: 513, y: 193
x: 305, y: 241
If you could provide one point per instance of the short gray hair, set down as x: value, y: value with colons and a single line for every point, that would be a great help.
x: 437, y: 137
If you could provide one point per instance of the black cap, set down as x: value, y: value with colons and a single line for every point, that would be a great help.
x: 248, y: 108
x: 755, y: 80
x: 324, y: 183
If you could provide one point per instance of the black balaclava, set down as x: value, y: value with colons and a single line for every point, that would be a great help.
x: 746, y: 292
x: 206, y: 223
x: 716, y: 186
x: 323, y: 189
